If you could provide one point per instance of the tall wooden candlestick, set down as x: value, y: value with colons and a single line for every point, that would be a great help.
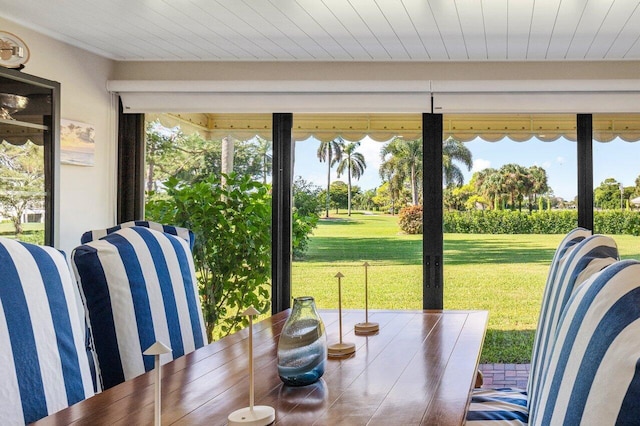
x: 259, y: 415
x: 338, y: 350
x: 366, y: 327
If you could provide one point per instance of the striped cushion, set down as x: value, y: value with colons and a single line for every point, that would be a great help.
x: 565, y: 247
x: 578, y: 256
x: 589, y: 256
x: 139, y: 287
x: 594, y: 370
x: 43, y: 362
x: 498, y: 406
x: 183, y: 233
x: 494, y: 408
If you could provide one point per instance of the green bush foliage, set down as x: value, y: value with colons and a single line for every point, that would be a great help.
x: 33, y: 237
x: 617, y: 222
x: 232, y: 253
x: 302, y: 228
x: 410, y: 219
x: 306, y: 206
x: 614, y: 222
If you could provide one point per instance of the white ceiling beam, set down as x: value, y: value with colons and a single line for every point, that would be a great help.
x: 531, y: 86
x: 270, y: 86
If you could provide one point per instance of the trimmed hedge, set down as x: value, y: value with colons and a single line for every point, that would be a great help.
x: 538, y: 222
x: 621, y: 222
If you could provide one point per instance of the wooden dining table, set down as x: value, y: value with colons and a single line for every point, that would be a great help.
x: 418, y: 369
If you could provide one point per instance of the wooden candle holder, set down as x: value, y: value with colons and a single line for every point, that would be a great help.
x: 341, y: 349
x: 366, y: 327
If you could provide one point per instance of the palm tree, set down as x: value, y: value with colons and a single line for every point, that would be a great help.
x: 330, y: 151
x: 388, y: 173
x: 540, y: 184
x: 513, y: 176
x: 488, y: 182
x: 454, y: 150
x: 405, y: 157
x: 354, y: 164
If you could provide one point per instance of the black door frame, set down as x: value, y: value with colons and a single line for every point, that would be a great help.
x: 131, y: 195
x: 432, y: 232
x: 281, y: 211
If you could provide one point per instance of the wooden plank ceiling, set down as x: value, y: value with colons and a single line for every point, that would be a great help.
x: 339, y: 30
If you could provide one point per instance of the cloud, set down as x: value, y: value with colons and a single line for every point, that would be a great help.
x: 560, y: 160
x: 480, y: 164
x: 371, y: 151
x: 546, y: 165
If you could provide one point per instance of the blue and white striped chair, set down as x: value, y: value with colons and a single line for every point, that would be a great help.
x: 564, y: 248
x: 577, y: 258
x: 183, y: 233
x: 139, y: 287
x: 589, y: 256
x: 593, y: 375
x: 44, y: 365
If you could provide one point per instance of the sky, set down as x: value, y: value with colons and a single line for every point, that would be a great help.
x: 617, y: 159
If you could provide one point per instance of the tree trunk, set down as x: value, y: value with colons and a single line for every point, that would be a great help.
x: 328, y: 202
x: 349, y: 192
x: 150, y: 171
x: 414, y: 189
x: 227, y: 157
x: 264, y: 169
x: 17, y: 224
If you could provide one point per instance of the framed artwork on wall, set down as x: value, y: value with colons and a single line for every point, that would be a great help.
x: 77, y: 145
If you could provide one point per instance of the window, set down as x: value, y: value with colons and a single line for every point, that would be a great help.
x: 29, y: 135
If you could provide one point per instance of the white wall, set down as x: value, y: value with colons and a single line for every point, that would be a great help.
x: 87, y: 194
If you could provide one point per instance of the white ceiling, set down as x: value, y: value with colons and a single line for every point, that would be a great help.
x: 339, y: 30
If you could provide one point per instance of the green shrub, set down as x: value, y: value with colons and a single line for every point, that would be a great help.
x: 33, y: 237
x: 232, y: 253
x: 617, y: 222
x: 538, y: 222
x: 410, y: 219
x: 302, y: 228
x: 306, y: 207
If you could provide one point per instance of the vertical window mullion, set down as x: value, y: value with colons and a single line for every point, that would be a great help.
x: 584, y: 127
x: 281, y: 219
x: 432, y: 228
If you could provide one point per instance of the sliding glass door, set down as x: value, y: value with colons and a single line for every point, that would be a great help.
x: 504, y: 219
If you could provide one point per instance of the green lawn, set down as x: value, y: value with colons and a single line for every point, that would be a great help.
x: 504, y: 274
x: 32, y: 232
x: 7, y: 229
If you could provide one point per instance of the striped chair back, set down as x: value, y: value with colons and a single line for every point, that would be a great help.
x: 577, y: 264
x: 139, y: 287
x: 183, y: 233
x: 567, y: 244
x: 44, y: 365
x: 593, y: 376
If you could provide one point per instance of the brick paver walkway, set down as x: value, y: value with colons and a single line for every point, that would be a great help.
x: 505, y: 375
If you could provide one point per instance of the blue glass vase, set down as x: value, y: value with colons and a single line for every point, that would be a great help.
x: 302, y: 348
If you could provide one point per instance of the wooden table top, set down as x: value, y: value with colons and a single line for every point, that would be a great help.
x: 419, y: 369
